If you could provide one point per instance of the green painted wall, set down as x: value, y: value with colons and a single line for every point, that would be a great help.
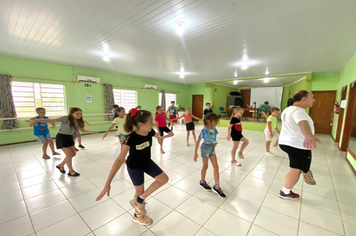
x: 199, y: 89
x: 325, y: 82
x: 220, y: 95
x: 75, y: 92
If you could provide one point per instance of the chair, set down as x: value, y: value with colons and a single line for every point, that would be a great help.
x: 222, y: 111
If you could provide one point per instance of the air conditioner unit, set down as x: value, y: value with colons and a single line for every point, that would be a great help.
x: 150, y: 86
x: 88, y: 79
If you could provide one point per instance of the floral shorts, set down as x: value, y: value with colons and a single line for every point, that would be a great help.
x: 207, y: 150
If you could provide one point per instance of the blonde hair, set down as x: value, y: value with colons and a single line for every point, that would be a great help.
x: 237, y: 109
x: 186, y: 109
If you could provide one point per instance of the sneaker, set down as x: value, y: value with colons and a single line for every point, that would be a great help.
x: 142, y: 219
x: 269, y: 153
x: 205, y: 185
x: 219, y: 192
x: 291, y: 195
x: 81, y: 146
x: 140, y: 207
x: 241, y: 156
x: 77, y: 149
x: 308, y: 177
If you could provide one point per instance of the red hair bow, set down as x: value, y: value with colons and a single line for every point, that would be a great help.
x: 133, y: 111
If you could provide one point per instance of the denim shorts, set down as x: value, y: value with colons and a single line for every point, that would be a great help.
x: 207, y: 150
x: 122, y: 136
x: 43, y: 138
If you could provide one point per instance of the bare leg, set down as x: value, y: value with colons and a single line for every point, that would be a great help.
x: 194, y: 136
x: 204, y: 168
x: 214, y: 162
x: 44, y: 148
x: 292, y: 178
x: 80, y: 140
x: 245, y: 142
x: 235, y: 145
x: 70, y: 153
x: 51, y: 145
x: 276, y: 143
x: 188, y: 133
x: 268, y: 144
x: 161, y: 180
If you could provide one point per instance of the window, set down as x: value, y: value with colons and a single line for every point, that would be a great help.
x: 28, y: 96
x: 125, y: 98
x: 169, y: 97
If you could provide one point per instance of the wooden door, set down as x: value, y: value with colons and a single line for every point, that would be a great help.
x: 322, y: 111
x: 246, y: 95
x: 197, y: 109
x: 341, y: 115
x: 348, y: 119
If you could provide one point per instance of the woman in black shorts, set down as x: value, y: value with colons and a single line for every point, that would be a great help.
x: 236, y: 135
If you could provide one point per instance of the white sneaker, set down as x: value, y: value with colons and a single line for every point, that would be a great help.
x: 238, y: 164
x: 269, y: 153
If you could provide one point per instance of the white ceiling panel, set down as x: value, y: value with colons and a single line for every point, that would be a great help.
x: 140, y: 39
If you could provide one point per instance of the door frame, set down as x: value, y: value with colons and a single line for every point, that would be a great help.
x: 341, y: 115
x: 202, y: 105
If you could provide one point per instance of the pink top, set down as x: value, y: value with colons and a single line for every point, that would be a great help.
x: 188, y: 118
x: 161, y: 119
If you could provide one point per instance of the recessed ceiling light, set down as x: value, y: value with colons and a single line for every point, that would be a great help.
x: 180, y: 25
x: 266, y: 80
x: 106, y: 58
x: 235, y: 75
x: 235, y: 82
x: 182, y: 73
x: 267, y: 72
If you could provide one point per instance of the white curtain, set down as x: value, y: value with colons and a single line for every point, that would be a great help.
x: 271, y: 94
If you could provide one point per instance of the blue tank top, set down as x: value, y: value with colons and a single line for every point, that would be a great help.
x: 41, y: 128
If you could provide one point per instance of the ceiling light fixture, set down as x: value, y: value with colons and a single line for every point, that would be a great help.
x: 180, y: 25
x: 266, y: 80
x: 235, y: 75
x: 267, y: 72
x: 244, y: 67
x: 182, y: 74
x: 235, y: 82
x: 106, y: 58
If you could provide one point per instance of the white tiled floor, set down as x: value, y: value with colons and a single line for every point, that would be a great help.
x: 35, y: 199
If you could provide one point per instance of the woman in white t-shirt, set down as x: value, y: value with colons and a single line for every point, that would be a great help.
x: 297, y: 140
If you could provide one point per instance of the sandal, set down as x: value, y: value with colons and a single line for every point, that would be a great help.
x: 46, y: 157
x: 73, y: 175
x: 61, y: 169
x: 56, y: 153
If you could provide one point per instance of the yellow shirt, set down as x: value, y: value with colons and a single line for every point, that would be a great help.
x: 273, y: 120
x: 120, y: 125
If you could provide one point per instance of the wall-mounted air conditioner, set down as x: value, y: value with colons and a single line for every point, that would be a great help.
x: 88, y: 79
x: 150, y: 86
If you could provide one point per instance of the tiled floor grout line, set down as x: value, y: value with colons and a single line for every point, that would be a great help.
x: 337, y: 200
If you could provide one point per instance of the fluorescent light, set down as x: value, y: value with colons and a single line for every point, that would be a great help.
x: 235, y: 75
x: 106, y: 58
x: 181, y: 75
x: 235, y: 82
x: 266, y: 80
x: 267, y: 72
x: 244, y: 67
x: 180, y: 28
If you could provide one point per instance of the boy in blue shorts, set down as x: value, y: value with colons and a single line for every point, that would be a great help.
x: 42, y: 133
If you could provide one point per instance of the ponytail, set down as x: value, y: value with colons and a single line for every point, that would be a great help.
x: 134, y: 117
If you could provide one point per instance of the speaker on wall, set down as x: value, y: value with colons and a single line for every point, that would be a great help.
x: 239, y: 101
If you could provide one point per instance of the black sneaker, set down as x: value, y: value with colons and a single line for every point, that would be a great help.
x: 77, y: 149
x: 205, y: 186
x: 219, y: 192
x: 81, y: 146
x: 291, y: 195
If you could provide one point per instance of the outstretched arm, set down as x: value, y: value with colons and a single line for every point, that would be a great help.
x: 114, y: 169
x: 197, y: 118
x: 33, y: 121
x: 110, y: 128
